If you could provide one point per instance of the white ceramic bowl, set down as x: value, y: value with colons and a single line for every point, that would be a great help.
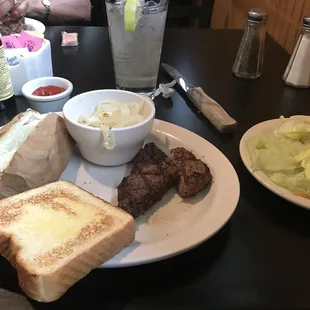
x: 34, y: 25
x: 128, y: 140
x: 45, y: 104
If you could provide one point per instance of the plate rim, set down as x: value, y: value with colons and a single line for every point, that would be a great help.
x: 233, y: 203
x: 233, y: 179
x: 260, y: 176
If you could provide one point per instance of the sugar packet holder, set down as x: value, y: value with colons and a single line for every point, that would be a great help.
x: 69, y: 39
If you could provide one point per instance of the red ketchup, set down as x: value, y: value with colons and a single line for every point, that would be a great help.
x: 49, y: 90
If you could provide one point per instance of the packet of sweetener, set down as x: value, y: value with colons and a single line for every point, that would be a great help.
x: 11, y: 41
x: 33, y: 43
x: 69, y: 39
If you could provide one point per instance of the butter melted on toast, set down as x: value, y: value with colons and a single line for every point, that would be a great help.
x: 50, y: 225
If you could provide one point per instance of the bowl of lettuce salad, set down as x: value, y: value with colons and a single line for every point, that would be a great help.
x: 277, y: 152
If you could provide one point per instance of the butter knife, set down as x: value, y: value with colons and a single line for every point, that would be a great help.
x: 220, y: 119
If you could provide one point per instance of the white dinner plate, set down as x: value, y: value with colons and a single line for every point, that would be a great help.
x: 34, y: 25
x: 173, y: 225
x: 260, y: 176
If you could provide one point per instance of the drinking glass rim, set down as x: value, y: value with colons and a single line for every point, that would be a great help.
x: 140, y: 6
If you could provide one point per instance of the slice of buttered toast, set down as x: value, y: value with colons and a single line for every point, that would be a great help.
x: 55, y: 234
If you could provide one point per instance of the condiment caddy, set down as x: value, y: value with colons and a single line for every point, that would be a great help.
x: 25, y: 66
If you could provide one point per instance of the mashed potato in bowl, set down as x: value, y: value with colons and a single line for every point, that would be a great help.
x: 128, y: 140
x: 113, y: 114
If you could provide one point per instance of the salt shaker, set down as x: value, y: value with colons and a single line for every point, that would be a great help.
x: 297, y: 72
x: 249, y: 60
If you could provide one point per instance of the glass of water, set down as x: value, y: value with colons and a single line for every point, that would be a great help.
x: 136, y: 54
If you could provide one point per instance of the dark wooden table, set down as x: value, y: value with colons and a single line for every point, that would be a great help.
x: 261, y: 258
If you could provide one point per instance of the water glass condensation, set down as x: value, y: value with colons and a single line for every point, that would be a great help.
x: 136, y: 54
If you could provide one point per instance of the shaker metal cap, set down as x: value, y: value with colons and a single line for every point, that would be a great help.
x: 257, y: 15
x: 306, y: 21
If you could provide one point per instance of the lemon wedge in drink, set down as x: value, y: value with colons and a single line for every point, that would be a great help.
x: 130, y: 14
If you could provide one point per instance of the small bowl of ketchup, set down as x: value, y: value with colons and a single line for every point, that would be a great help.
x: 47, y: 94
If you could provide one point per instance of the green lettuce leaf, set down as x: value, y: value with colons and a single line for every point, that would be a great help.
x: 283, y: 154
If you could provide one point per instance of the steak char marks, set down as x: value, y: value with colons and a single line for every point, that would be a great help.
x: 154, y: 173
x: 193, y: 174
x: 151, y: 176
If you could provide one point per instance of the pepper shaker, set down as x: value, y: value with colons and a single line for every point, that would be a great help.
x: 297, y: 72
x: 249, y: 60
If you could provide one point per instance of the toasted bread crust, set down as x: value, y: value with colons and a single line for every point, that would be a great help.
x: 68, y: 263
x: 4, y: 243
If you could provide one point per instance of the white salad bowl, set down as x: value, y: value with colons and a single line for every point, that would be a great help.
x: 128, y: 140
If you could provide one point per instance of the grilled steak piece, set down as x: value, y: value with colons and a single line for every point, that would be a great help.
x: 152, y: 160
x: 134, y: 195
x: 150, y: 154
x: 12, y: 25
x: 193, y: 174
x: 154, y: 173
x: 151, y: 176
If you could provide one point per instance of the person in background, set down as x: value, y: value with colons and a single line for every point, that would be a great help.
x: 98, y: 16
x: 49, y: 11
